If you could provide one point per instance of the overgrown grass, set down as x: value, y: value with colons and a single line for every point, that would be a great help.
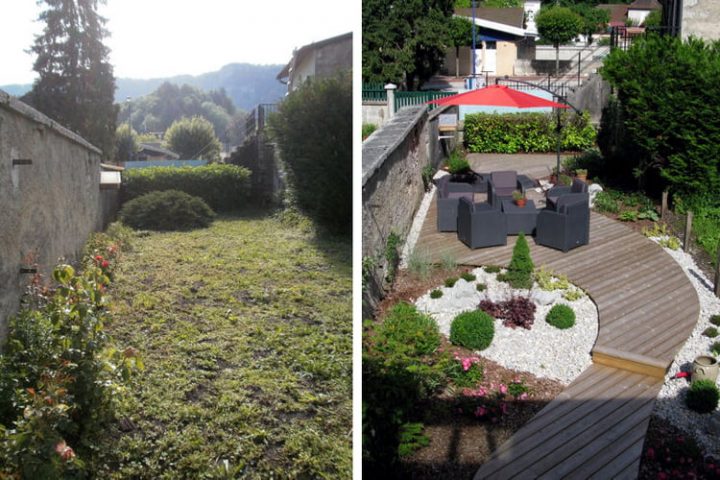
x: 246, y: 332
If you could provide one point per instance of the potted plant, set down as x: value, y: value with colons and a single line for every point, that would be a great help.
x: 581, y: 174
x: 459, y: 168
x: 519, y: 198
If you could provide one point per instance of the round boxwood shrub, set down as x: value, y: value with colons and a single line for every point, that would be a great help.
x: 474, y: 330
x: 703, y: 396
x: 561, y: 316
x: 436, y: 294
x: 166, y: 210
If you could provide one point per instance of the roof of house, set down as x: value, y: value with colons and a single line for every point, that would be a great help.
x: 618, y: 12
x: 300, y: 53
x: 157, y: 149
x: 645, y: 5
x: 507, y: 16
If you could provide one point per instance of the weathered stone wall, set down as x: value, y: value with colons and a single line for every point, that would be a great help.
x: 47, y: 208
x: 334, y: 57
x: 392, y: 186
x: 375, y: 113
x: 592, y: 96
x: 699, y: 19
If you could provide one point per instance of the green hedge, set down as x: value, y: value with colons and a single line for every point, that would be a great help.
x: 526, y: 132
x: 223, y: 187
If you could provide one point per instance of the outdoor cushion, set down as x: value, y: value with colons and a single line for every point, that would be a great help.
x: 567, y: 227
x: 447, y: 203
x: 505, y: 182
x: 480, y: 224
x: 578, y: 188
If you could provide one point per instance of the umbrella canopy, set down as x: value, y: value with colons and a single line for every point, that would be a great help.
x: 498, y: 96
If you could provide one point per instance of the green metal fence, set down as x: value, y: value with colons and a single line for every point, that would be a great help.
x: 374, y: 92
x: 404, y: 99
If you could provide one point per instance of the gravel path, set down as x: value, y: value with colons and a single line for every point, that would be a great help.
x: 671, y: 400
x: 544, y: 350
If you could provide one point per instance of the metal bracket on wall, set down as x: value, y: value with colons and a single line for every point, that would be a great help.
x: 21, y: 161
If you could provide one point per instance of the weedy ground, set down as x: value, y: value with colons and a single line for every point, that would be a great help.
x: 246, y: 333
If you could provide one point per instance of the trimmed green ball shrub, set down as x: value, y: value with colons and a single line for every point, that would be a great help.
x: 561, y: 316
x: 711, y: 332
x: 474, y: 330
x: 409, y: 331
x: 223, y: 187
x: 436, y: 294
x: 481, y: 287
x: 703, y: 396
x: 450, y: 282
x: 715, y: 320
x: 166, y: 210
x: 468, y: 277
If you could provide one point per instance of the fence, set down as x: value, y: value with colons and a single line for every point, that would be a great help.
x: 561, y: 89
x: 623, y: 37
x: 164, y: 163
x: 405, y: 99
x: 255, y: 120
x: 374, y: 92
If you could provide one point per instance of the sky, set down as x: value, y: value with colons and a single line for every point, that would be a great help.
x: 160, y: 38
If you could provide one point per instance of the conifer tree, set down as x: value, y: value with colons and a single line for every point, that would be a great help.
x: 76, y: 85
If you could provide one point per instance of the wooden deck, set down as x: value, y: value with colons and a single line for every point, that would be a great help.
x: 647, y: 308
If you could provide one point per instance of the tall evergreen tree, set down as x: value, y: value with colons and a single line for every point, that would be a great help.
x: 76, y: 85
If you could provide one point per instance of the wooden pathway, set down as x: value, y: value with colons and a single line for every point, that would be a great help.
x: 647, y: 308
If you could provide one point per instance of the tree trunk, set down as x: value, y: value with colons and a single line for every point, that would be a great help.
x: 457, y: 61
x: 557, y: 60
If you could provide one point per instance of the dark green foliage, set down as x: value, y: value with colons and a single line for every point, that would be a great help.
x: 520, y: 270
x: 628, y: 216
x: 450, y: 282
x: 404, y: 42
x: 223, y: 187
x: 473, y: 330
x: 492, y: 268
x: 481, y: 287
x: 517, y: 388
x: 527, y: 132
x: 75, y: 84
x: 558, y: 25
x: 702, y: 396
x: 606, y: 203
x: 166, y: 210
x: 668, y: 111
x: 561, y: 316
x: 468, y: 277
x: 593, y: 19
x: 654, y: 19
x: 427, y: 175
x: 392, y: 255
x: 460, y: 35
x: 457, y: 163
x: 126, y: 143
x: 465, y: 372
x: 406, y: 329
x: 436, y: 294
x: 412, y: 438
x: 715, y: 320
x: 313, y: 128
x: 193, y: 139
x: 711, y: 332
x: 368, y: 129
x: 715, y: 348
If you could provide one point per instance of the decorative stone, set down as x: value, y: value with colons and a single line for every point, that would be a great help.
x: 593, y: 190
x: 542, y: 297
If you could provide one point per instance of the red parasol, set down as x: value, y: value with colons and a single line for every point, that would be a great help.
x: 498, y: 96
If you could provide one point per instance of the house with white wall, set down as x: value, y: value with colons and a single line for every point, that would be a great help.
x: 321, y: 59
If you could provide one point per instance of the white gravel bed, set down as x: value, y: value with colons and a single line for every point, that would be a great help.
x: 670, y: 405
x: 544, y: 351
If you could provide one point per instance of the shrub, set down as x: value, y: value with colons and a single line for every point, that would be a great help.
x: 405, y: 329
x: 649, y: 214
x: 605, y: 203
x: 368, y: 129
x: 516, y: 312
x: 468, y: 277
x: 436, y: 294
x: 711, y: 332
x: 223, y: 187
x: 517, y: 388
x: 412, y: 438
x: 419, y: 264
x: 465, y: 372
x: 392, y: 255
x: 457, y: 163
x: 474, y: 330
x: 450, y: 282
x: 561, y: 316
x: 715, y: 348
x: 628, y: 216
x: 519, y: 273
x: 673, y: 243
x: 702, y: 396
x: 313, y: 128
x: 492, y: 269
x: 526, y: 132
x: 166, y: 210
x: 481, y: 287
x: 572, y: 295
x: 548, y: 281
x: 193, y: 139
x: 448, y: 261
x: 715, y: 320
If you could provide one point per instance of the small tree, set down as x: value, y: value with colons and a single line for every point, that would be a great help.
x: 460, y: 34
x: 193, y: 139
x: 520, y: 270
x: 654, y: 19
x: 558, y: 25
x: 593, y: 19
x: 126, y: 143
x: 313, y: 127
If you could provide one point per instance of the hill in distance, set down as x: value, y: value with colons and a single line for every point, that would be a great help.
x: 246, y: 84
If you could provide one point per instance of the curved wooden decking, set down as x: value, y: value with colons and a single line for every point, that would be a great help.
x: 647, y: 308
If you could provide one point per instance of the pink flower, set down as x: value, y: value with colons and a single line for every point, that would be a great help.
x: 65, y: 452
x: 503, y: 389
x: 466, y: 364
x: 481, y: 411
x: 105, y: 264
x: 523, y: 396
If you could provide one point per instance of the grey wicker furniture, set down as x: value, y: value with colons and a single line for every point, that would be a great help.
x: 520, y: 219
x: 566, y: 225
x: 481, y: 224
x: 448, y: 195
x: 578, y: 189
x: 505, y: 183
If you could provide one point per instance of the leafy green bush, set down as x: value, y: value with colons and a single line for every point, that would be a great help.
x: 468, y: 277
x: 715, y: 320
x: 313, y: 128
x: 628, y: 216
x: 368, y: 129
x: 474, y: 330
x: 715, y: 348
x: 166, y: 210
x: 702, y: 396
x: 605, y: 203
x: 406, y: 329
x: 711, y: 332
x: 223, y: 187
x: 392, y: 256
x: 561, y: 316
x: 492, y: 268
x: 412, y: 438
x: 457, y: 163
x: 526, y: 132
x: 548, y: 281
x: 673, y: 243
x: 450, y: 282
x: 520, y: 270
x: 436, y: 294
x: 465, y: 372
x: 573, y: 294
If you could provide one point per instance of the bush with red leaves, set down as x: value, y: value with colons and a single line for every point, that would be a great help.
x: 516, y: 312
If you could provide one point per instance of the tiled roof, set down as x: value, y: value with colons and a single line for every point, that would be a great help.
x: 508, y: 16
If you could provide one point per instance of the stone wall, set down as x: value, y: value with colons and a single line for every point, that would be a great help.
x: 592, y: 96
x: 392, y: 187
x: 375, y: 113
x: 49, y: 197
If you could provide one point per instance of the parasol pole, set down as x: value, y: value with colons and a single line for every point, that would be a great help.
x: 472, y: 80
